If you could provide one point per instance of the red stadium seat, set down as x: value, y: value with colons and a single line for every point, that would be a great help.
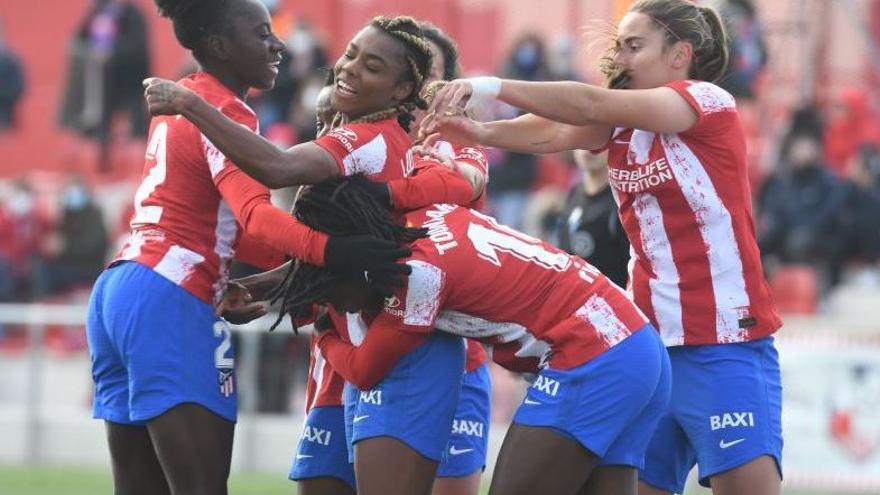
x: 795, y: 289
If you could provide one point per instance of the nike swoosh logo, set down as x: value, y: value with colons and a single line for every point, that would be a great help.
x: 454, y: 451
x: 725, y: 445
x: 303, y: 456
x: 531, y: 402
x: 358, y: 419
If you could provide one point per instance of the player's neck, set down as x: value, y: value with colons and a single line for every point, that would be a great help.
x: 227, y: 79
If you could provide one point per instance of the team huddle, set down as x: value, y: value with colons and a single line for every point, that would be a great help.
x: 411, y: 288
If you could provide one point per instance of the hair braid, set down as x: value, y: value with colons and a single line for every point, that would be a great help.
x: 339, y: 206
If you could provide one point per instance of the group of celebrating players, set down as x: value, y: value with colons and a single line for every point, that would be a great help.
x: 411, y: 289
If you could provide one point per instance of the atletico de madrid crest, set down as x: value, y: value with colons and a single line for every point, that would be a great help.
x: 226, y: 379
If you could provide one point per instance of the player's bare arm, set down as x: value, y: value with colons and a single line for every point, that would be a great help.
x: 659, y: 110
x: 305, y: 163
x: 525, y: 134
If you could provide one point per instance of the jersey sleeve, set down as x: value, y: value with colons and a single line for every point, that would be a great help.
x: 250, y: 202
x: 255, y: 253
x: 715, y: 107
x: 430, y: 183
x: 367, y: 364
x: 473, y: 156
x: 357, y: 148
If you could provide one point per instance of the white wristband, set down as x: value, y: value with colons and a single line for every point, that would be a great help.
x: 483, y: 89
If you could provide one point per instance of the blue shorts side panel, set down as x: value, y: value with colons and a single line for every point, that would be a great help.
x: 323, y: 450
x: 154, y: 345
x: 469, y: 441
x: 603, y: 400
x: 416, y: 402
x: 726, y: 410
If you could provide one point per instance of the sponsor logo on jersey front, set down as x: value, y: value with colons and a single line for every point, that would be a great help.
x: 641, y: 178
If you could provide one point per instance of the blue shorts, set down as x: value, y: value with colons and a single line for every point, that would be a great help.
x: 466, y: 452
x: 323, y: 449
x: 153, y: 346
x: 726, y: 410
x: 415, y: 403
x: 611, y: 404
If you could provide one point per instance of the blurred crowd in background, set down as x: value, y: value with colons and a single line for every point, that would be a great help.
x: 816, y: 198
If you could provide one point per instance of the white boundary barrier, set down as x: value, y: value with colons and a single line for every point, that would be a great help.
x: 36, y: 317
x: 815, y: 364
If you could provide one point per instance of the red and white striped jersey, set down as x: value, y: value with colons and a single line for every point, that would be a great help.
x: 182, y: 228
x: 476, y: 157
x: 533, y: 303
x: 685, y: 203
x: 381, y: 151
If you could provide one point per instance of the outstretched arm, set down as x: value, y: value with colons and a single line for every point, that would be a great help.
x: 660, y: 110
x: 525, y: 134
x: 304, y: 163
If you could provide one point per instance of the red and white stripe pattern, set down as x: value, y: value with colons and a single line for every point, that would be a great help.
x: 182, y: 228
x: 526, y: 298
x: 685, y: 204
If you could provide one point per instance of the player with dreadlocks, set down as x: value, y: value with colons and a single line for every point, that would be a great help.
x: 603, y: 373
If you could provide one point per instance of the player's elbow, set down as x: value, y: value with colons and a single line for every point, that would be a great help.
x: 365, y: 382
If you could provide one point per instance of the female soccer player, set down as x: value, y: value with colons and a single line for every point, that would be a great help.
x: 677, y: 163
x: 377, y: 84
x: 460, y: 469
x: 603, y: 379
x: 162, y: 362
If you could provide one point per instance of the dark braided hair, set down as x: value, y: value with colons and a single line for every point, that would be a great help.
x: 448, y: 48
x: 418, y: 57
x: 339, y: 206
x: 193, y: 20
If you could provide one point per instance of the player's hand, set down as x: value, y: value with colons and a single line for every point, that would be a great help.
x: 165, y: 97
x: 237, y: 306
x: 451, y: 98
x: 426, y: 149
x: 454, y: 128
